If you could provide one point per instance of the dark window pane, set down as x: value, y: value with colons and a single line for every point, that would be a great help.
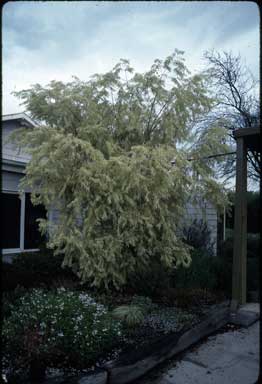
x: 33, y: 237
x: 10, y: 220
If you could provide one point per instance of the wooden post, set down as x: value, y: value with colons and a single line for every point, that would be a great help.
x: 240, y: 228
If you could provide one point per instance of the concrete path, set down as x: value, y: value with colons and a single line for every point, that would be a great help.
x: 228, y: 358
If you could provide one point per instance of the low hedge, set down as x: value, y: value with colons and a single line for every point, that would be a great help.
x: 202, y: 273
x: 214, y: 273
x: 34, y: 269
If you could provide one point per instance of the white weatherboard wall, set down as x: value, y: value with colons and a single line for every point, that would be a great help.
x: 14, y: 159
x: 10, y: 151
x: 204, y: 211
x: 10, y: 181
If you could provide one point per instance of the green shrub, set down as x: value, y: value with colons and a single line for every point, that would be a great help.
x: 34, y: 270
x: 60, y: 329
x: 224, y: 266
x: 143, y: 302
x: 253, y: 212
x: 187, y: 297
x: 253, y: 244
x: 225, y: 263
x: 10, y: 299
x: 131, y: 315
x: 198, y: 236
x: 146, y: 283
x: 134, y: 313
x: 200, y: 274
x: 43, y: 265
x: 12, y: 277
x: 252, y: 274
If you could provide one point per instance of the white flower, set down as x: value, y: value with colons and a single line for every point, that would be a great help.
x: 60, y: 334
x: 86, y: 300
x: 62, y: 289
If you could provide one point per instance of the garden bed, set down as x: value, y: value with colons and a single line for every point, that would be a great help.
x: 146, y: 344
x: 132, y: 364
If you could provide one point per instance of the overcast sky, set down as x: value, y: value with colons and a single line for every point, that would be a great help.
x: 44, y: 41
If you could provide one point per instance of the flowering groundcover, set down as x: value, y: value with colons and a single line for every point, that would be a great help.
x: 59, y: 329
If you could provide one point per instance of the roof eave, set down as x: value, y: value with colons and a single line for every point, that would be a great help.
x: 20, y: 116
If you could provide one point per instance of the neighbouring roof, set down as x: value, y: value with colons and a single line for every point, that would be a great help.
x: 20, y: 116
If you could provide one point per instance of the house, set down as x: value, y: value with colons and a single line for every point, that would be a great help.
x: 19, y: 226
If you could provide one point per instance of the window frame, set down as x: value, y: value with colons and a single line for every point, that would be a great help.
x: 21, y: 249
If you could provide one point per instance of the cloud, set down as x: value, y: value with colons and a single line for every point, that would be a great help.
x: 48, y: 40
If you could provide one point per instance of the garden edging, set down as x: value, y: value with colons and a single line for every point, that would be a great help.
x: 127, y: 368
x: 131, y: 366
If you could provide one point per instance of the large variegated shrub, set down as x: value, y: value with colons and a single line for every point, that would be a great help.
x: 113, y: 154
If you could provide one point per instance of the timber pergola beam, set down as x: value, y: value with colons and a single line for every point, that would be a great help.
x: 246, y: 139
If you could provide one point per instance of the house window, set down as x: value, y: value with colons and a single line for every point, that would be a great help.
x: 10, y: 218
x: 19, y: 223
x: 32, y: 236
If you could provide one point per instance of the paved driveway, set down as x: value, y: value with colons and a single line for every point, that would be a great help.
x: 228, y: 358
